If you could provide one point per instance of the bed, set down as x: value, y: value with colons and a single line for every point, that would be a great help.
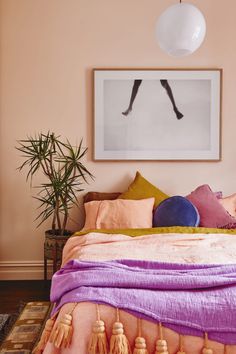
x: 143, y: 289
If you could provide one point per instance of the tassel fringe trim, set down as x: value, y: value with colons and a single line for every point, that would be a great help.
x: 140, y: 343
x: 98, y: 341
x: 44, y: 337
x: 206, y: 349
x: 60, y: 334
x: 119, y: 343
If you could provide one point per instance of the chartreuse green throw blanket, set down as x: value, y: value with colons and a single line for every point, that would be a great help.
x: 161, y: 230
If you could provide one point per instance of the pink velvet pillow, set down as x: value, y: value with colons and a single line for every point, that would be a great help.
x: 212, y: 213
x: 119, y: 214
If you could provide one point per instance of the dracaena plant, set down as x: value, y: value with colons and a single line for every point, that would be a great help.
x: 64, y: 173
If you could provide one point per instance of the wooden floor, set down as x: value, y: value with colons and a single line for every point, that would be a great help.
x: 13, y: 293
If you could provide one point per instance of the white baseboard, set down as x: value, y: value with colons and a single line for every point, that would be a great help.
x: 23, y: 270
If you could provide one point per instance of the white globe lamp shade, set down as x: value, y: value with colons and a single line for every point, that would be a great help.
x: 180, y: 30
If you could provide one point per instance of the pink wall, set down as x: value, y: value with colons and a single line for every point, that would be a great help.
x: 48, y: 50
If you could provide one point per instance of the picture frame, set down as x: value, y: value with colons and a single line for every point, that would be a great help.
x: 157, y: 114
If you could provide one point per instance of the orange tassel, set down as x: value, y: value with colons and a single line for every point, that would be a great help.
x: 140, y: 346
x: 119, y: 343
x: 98, y: 340
x: 206, y: 349
x: 161, y: 344
x: 45, y: 336
x: 62, y: 331
x: 181, y: 346
x: 140, y: 343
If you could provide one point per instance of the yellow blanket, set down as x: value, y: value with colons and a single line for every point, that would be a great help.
x: 161, y: 230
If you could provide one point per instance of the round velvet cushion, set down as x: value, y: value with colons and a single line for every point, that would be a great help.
x: 176, y: 211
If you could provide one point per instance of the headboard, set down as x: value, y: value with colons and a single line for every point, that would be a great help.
x: 90, y: 196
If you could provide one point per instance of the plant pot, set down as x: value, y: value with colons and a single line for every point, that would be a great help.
x: 54, y: 244
x: 56, y: 233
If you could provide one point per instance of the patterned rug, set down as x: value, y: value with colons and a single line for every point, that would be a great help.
x: 27, y: 329
x: 4, y: 324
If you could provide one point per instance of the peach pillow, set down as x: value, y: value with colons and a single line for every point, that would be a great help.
x: 229, y: 203
x: 119, y: 214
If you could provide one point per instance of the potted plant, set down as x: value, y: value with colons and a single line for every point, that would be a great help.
x: 64, y: 173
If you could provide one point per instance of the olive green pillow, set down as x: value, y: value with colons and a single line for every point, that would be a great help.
x: 140, y: 188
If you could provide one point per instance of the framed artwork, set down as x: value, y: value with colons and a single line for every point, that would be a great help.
x: 157, y: 114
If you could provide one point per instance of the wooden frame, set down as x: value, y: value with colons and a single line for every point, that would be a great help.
x: 157, y: 114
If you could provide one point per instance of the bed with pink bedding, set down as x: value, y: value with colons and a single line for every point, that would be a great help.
x: 139, y: 272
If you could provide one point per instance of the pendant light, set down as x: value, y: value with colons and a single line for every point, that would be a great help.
x: 180, y: 30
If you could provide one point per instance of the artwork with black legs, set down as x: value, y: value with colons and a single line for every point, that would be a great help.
x: 169, y: 92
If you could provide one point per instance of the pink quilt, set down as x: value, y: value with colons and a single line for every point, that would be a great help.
x: 174, y: 248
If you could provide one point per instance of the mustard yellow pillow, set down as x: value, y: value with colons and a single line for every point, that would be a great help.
x: 140, y: 188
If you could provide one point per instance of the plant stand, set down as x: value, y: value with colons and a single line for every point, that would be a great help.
x: 53, y: 247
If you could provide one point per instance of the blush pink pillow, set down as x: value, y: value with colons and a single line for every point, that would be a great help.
x: 119, y: 214
x: 212, y: 213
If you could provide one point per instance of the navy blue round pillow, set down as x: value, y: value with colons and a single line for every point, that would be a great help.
x: 176, y: 211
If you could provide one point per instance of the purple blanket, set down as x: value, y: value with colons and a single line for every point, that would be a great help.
x: 187, y: 298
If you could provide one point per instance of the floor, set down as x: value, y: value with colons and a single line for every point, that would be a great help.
x: 15, y: 292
